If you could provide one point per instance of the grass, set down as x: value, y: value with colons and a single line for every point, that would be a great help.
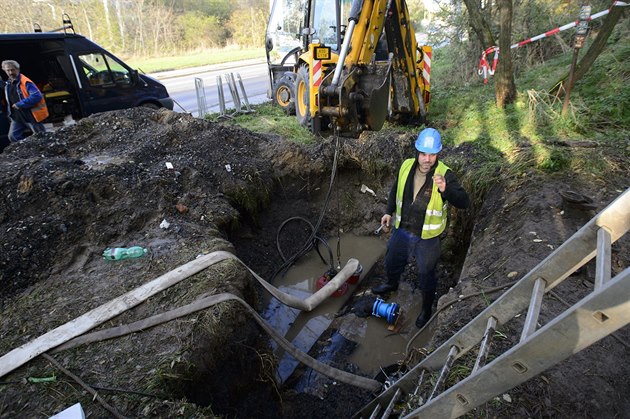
x: 271, y: 119
x: 196, y: 59
x: 524, y: 136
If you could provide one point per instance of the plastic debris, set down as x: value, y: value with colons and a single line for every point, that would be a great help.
x: 73, y: 412
x: 365, y: 189
x: 50, y: 379
x: 165, y: 224
x: 120, y: 253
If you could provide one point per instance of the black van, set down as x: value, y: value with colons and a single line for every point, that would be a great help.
x: 77, y: 77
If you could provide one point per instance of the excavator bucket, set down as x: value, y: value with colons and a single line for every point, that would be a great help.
x: 379, y: 99
x: 379, y: 102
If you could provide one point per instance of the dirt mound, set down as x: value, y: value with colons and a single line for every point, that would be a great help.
x: 115, y: 180
x: 105, y: 182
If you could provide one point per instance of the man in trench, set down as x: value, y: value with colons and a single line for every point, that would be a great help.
x: 417, y: 208
x: 25, y: 103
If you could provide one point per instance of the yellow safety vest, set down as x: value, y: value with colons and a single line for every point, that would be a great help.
x: 437, y: 211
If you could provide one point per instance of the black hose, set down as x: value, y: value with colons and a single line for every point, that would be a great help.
x: 284, y: 223
x: 308, y: 244
x: 331, y: 260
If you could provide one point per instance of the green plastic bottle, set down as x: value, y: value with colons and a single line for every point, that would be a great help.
x: 120, y: 253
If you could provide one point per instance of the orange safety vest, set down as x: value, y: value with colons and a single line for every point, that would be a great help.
x: 40, y: 110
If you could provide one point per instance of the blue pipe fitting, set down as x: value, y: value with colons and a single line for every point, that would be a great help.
x: 388, y: 311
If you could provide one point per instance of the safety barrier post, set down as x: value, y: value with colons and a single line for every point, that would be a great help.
x: 221, y: 97
x: 201, y: 97
x: 234, y: 92
x: 578, y: 42
x: 240, y: 82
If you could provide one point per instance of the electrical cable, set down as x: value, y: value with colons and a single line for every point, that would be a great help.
x: 89, y: 389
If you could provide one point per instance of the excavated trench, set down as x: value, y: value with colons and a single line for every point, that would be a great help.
x: 340, y: 332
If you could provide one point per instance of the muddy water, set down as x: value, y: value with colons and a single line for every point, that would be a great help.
x: 375, y: 345
x: 304, y: 328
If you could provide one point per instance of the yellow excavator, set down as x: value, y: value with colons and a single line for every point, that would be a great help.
x: 346, y: 66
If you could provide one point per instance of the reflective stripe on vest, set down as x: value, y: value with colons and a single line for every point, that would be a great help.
x: 437, y: 211
x: 40, y: 110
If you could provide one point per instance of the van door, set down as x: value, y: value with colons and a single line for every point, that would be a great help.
x: 107, y: 83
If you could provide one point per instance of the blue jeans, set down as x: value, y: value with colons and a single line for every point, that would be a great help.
x: 17, y: 129
x: 401, y: 246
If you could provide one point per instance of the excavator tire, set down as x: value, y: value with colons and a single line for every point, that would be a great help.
x: 302, y: 94
x: 283, y: 94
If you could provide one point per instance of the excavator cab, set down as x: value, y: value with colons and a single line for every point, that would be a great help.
x: 346, y: 65
x: 293, y: 25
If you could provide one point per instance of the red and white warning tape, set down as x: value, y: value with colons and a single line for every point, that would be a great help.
x: 486, y: 69
x: 426, y: 69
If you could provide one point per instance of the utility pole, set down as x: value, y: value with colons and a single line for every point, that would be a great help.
x: 578, y: 42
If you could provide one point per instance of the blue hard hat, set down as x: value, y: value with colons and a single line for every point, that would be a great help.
x: 429, y: 141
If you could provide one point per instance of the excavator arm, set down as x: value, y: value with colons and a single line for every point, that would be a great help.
x: 373, y: 72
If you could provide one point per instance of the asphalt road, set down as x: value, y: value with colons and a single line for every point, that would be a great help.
x: 181, y: 85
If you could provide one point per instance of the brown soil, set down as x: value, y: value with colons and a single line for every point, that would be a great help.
x: 68, y: 195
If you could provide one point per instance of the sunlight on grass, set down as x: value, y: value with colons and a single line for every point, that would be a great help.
x: 469, y: 127
x: 269, y: 118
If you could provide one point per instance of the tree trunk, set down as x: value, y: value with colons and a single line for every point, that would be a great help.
x: 479, y: 24
x: 108, y: 22
x: 121, y: 26
x: 88, y: 24
x: 505, y: 89
x: 593, y: 52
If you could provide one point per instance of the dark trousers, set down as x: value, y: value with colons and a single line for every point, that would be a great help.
x: 18, y: 129
x: 401, y: 246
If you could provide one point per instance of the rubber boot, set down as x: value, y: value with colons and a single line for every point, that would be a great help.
x: 389, y: 286
x: 427, y: 309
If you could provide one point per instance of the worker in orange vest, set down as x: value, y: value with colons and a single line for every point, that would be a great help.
x: 26, y: 105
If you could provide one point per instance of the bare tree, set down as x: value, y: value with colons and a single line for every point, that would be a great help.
x: 138, y: 39
x: 88, y: 24
x: 479, y: 24
x: 121, y: 25
x: 505, y: 90
x: 107, y: 21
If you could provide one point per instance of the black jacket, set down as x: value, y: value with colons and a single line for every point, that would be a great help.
x: 454, y: 194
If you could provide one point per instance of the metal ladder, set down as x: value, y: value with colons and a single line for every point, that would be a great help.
x: 604, y: 310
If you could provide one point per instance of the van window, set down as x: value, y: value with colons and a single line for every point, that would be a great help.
x: 102, y: 70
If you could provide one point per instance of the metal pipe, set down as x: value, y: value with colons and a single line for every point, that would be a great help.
x: 344, y: 52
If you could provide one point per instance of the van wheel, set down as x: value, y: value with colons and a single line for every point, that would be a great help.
x: 150, y: 105
x: 283, y: 94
